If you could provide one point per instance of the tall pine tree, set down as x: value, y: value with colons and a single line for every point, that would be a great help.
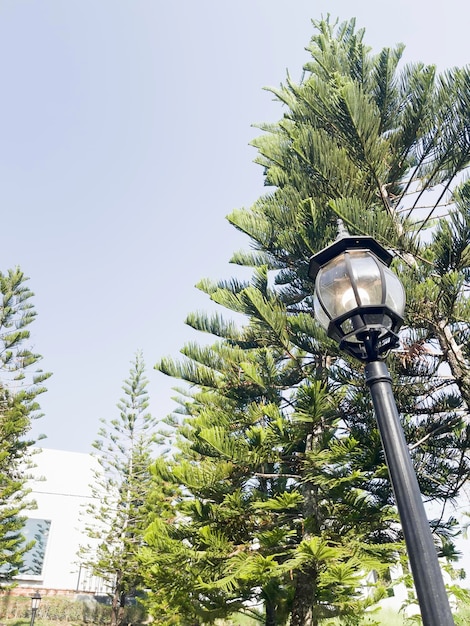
x: 273, y: 495
x: 117, y: 515
x: 285, y: 496
x: 21, y: 382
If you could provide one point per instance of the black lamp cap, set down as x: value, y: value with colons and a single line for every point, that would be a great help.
x: 361, y: 242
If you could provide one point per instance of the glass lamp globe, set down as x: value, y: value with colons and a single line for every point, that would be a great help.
x: 357, y: 299
x: 35, y: 601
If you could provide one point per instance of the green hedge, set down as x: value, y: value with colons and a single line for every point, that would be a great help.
x: 66, y: 610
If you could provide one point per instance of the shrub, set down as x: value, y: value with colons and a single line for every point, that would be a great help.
x: 85, y: 610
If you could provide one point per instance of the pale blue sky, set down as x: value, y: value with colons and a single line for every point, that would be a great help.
x: 124, y: 132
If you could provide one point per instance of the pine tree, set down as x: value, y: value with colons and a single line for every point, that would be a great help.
x: 20, y: 385
x: 262, y: 510
x: 281, y: 423
x: 384, y: 151
x: 124, y: 450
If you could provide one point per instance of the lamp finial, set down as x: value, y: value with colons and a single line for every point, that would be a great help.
x: 342, y: 230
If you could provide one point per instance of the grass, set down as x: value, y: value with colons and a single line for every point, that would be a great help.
x: 42, y: 622
x: 387, y: 617
x: 384, y: 617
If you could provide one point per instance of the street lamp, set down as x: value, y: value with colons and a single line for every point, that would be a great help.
x: 360, y: 302
x: 35, y: 602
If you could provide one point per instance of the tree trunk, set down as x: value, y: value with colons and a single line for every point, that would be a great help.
x: 270, y: 610
x: 304, y: 599
x: 455, y: 359
x: 118, y: 602
x: 303, y: 606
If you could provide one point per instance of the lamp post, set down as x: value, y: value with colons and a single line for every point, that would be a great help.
x: 35, y: 602
x: 360, y: 302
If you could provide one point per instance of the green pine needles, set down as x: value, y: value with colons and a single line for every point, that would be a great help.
x: 117, y: 516
x: 21, y: 382
x: 281, y: 504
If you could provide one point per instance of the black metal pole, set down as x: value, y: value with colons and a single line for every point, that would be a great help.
x: 33, y: 616
x: 427, y: 575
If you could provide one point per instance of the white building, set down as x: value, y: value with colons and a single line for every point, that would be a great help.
x: 60, y: 488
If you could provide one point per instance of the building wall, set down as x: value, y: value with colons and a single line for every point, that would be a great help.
x: 61, y: 489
